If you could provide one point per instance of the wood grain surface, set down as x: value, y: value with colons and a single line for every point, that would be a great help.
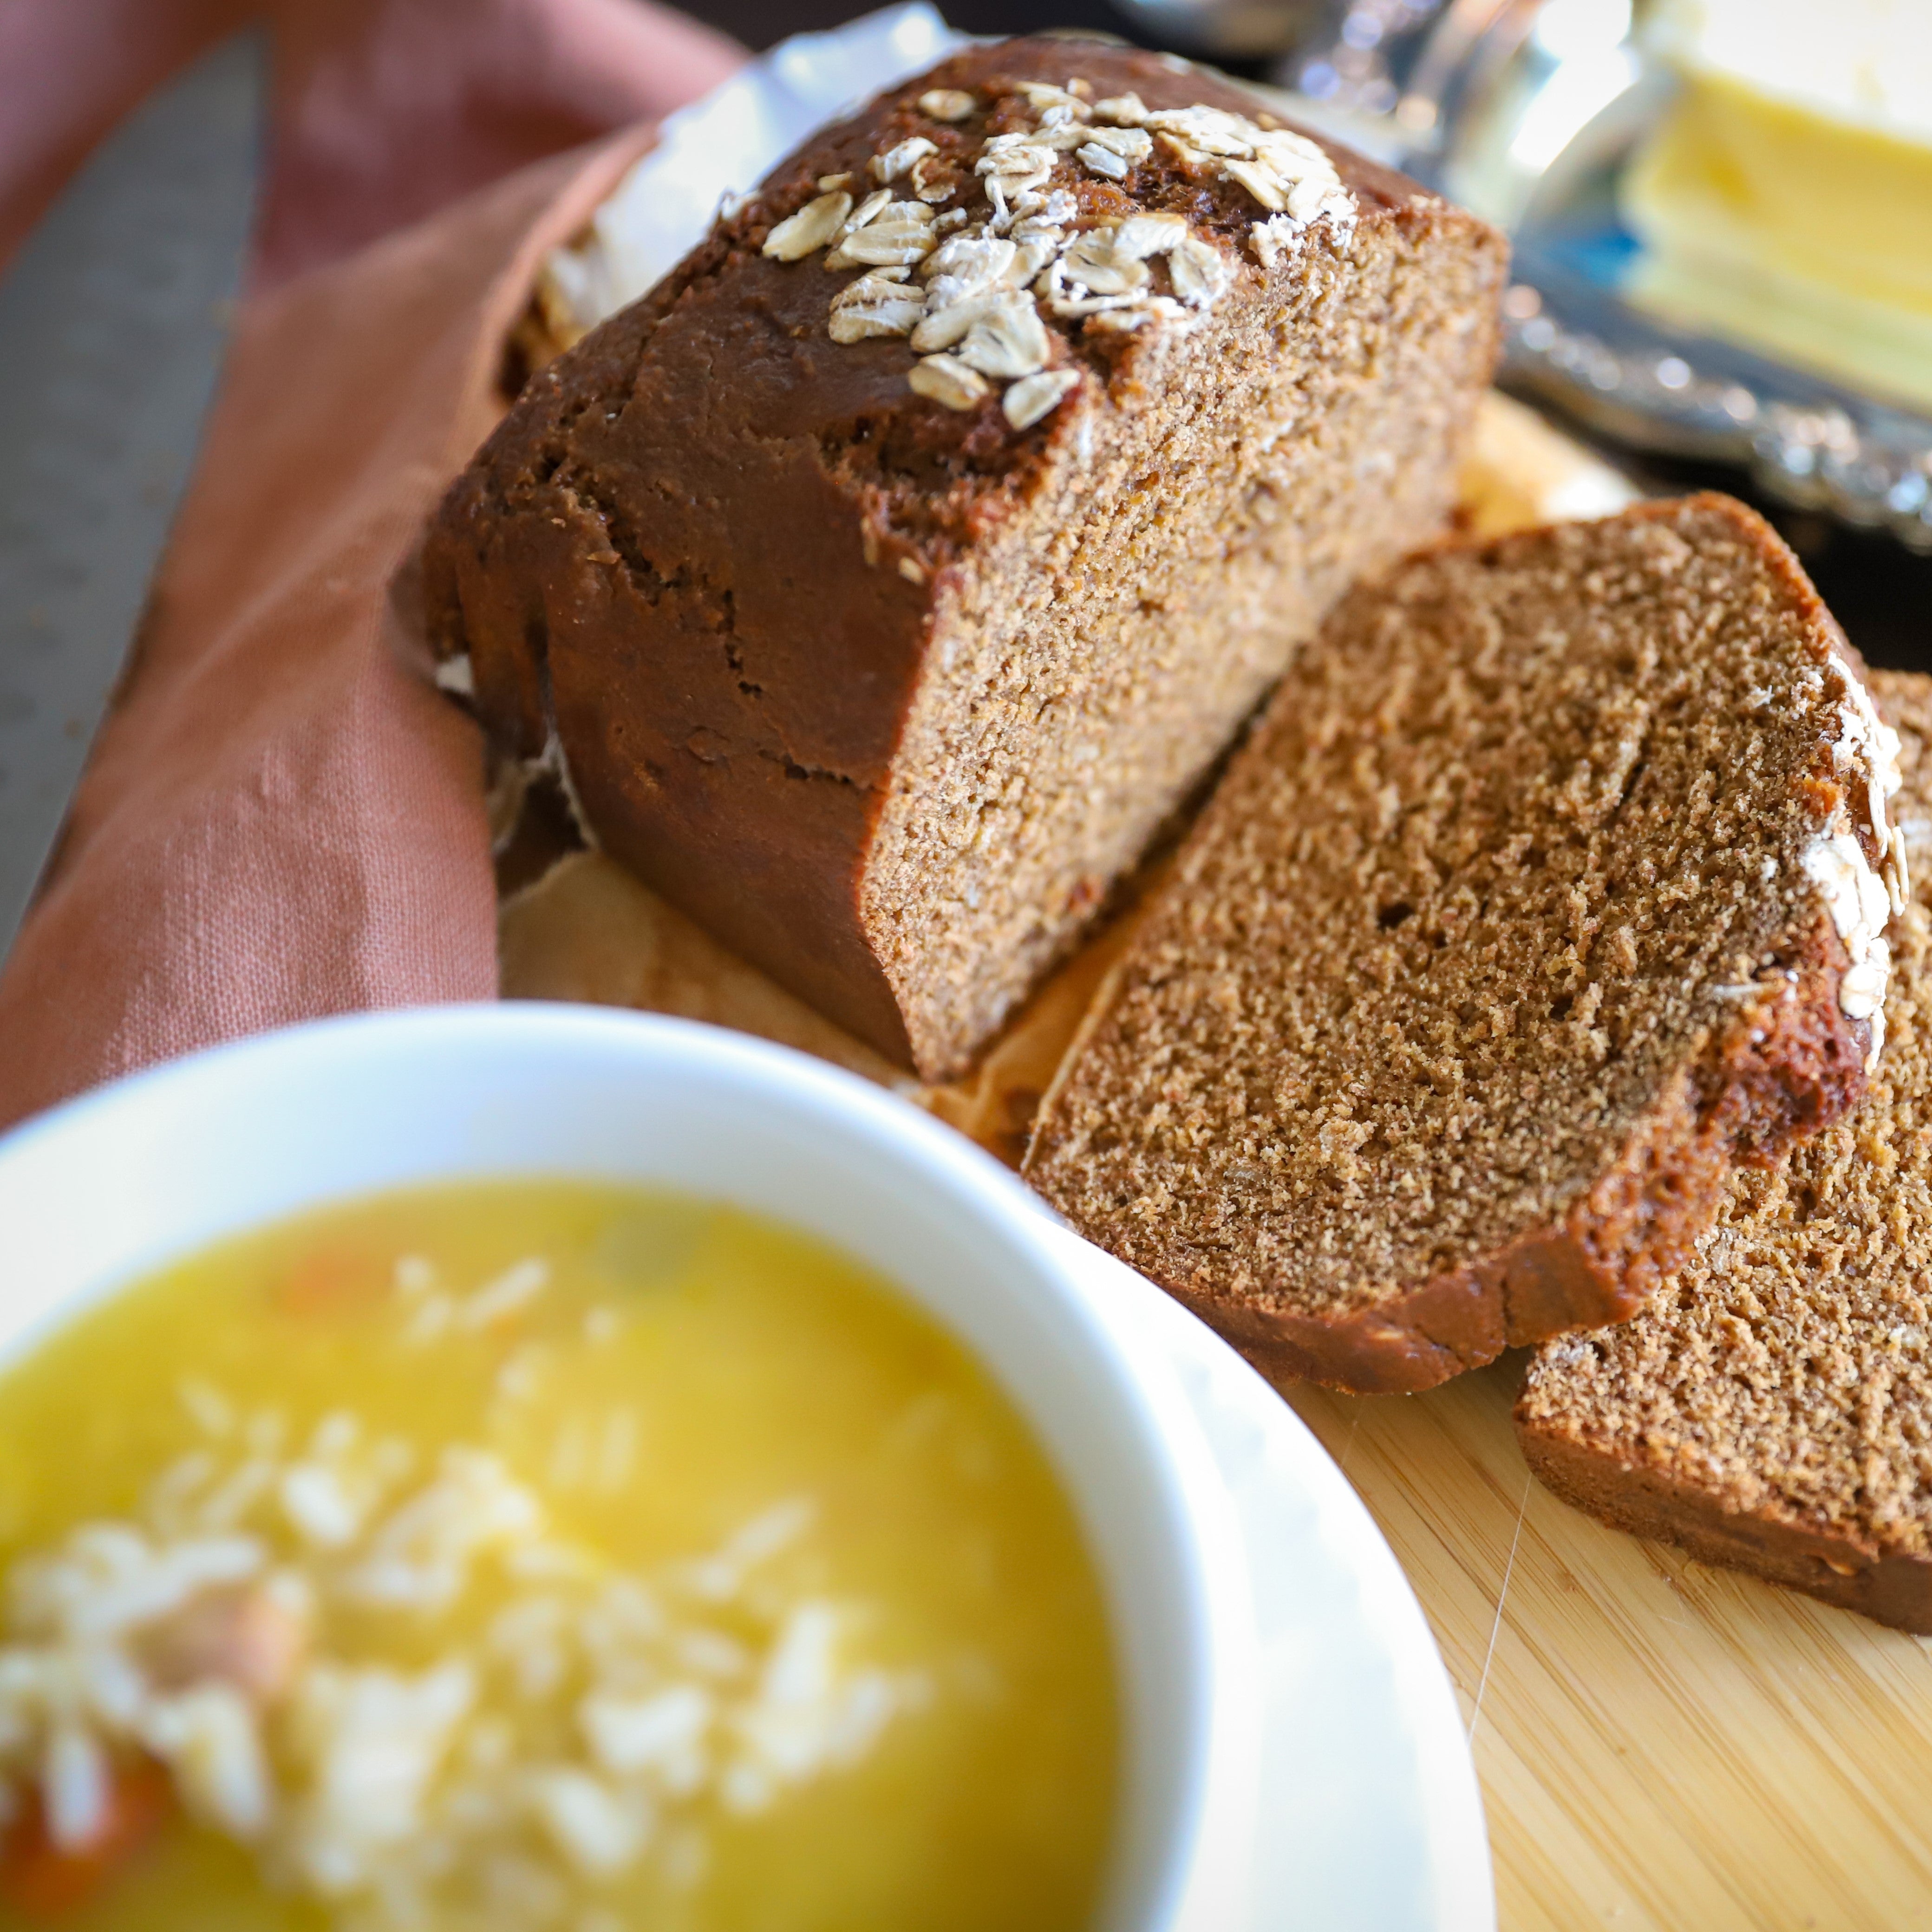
x: 1660, y: 1745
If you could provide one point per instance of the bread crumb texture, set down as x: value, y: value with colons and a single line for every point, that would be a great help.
x: 1783, y: 1380
x: 1499, y: 945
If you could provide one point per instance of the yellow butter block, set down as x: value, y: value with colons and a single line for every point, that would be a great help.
x: 1787, y: 203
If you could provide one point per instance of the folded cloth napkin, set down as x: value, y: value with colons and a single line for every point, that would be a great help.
x: 281, y: 818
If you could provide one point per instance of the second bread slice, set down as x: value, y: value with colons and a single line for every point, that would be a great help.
x: 1551, y: 887
x: 1771, y: 1408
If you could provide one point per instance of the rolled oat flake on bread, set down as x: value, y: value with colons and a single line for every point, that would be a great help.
x: 1551, y: 887
x: 884, y: 580
x: 1771, y: 1408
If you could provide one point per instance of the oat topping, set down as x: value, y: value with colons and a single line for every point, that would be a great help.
x: 810, y: 229
x: 987, y: 272
x: 944, y: 380
x: 883, y: 233
x: 899, y: 161
x: 1860, y: 909
x: 1861, y: 900
x: 1867, y: 742
x: 947, y: 103
x: 1034, y: 397
x: 879, y: 304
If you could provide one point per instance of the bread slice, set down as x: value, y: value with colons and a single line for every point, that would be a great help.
x: 1771, y: 1408
x: 880, y: 623
x: 1517, y: 925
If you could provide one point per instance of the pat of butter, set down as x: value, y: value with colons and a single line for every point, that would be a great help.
x: 1785, y: 201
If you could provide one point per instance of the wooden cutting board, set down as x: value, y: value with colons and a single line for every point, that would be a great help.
x: 1660, y: 1745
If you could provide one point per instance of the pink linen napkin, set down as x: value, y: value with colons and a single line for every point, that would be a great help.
x: 280, y: 817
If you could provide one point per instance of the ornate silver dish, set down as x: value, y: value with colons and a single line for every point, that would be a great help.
x: 1527, y: 111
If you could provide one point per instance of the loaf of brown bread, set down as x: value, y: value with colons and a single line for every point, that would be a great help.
x: 1771, y: 1407
x: 1550, y: 888
x: 885, y: 578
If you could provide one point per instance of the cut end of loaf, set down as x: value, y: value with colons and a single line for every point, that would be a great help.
x: 1771, y: 1409
x: 1494, y: 954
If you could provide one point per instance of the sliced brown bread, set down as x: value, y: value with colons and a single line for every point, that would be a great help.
x: 1548, y: 889
x: 1771, y: 1408
x: 886, y: 578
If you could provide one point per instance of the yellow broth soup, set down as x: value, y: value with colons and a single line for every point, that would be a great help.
x: 538, y: 1554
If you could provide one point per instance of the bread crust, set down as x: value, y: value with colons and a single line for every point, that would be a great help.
x: 1761, y: 1413
x: 726, y: 627
x: 1890, y: 1586
x: 1787, y: 1067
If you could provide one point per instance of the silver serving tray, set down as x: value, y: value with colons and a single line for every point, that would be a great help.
x: 1526, y: 110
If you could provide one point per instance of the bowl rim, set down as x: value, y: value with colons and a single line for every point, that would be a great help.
x: 1205, y: 1818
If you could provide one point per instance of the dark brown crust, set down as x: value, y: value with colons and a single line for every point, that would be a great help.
x: 1586, y: 1443
x: 1785, y: 1069
x: 1889, y: 1586
x: 743, y: 777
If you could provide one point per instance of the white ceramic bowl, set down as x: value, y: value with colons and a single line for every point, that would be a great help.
x: 119, y: 1182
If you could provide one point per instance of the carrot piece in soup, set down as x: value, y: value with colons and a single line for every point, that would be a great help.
x: 325, y: 1279
x: 41, y: 1880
